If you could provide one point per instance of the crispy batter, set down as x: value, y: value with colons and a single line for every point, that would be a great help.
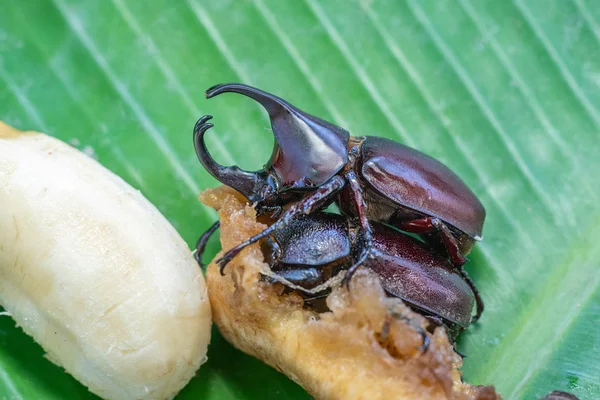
x: 362, y: 349
x: 8, y: 132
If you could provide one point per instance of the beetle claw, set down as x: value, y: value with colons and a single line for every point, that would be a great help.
x: 202, y: 241
x: 425, y: 341
x: 458, y: 352
x: 201, y: 126
x: 227, y: 257
x: 222, y: 263
x: 352, y: 270
x: 425, y: 345
x: 348, y: 277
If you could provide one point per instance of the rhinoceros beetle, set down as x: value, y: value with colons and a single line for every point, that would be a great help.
x: 315, y: 163
x: 312, y: 249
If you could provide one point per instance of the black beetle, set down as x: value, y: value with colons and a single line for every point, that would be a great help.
x: 312, y: 249
x: 315, y: 163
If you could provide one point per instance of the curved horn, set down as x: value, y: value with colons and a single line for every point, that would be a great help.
x: 308, y: 150
x: 275, y: 106
x: 271, y: 103
x: 244, y: 182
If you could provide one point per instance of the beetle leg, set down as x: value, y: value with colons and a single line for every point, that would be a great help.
x: 478, y: 299
x: 450, y: 332
x: 429, y: 225
x: 306, y: 205
x: 394, y: 315
x: 365, y: 227
x: 275, y: 250
x: 276, y: 212
x: 201, y: 244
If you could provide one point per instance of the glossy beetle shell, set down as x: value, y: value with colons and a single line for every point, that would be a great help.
x: 314, y: 241
x: 408, y: 269
x: 414, y: 180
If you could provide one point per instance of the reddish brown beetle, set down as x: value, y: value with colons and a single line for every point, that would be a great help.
x: 315, y: 163
x: 312, y: 249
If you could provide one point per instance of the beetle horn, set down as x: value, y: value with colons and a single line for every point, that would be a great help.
x: 244, y: 182
x: 306, y: 147
x: 280, y: 111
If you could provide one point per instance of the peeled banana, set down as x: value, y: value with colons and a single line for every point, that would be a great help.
x: 95, y: 274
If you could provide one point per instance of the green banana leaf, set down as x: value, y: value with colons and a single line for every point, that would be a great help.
x: 506, y: 93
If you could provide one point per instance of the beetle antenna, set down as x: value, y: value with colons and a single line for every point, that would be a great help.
x: 316, y: 297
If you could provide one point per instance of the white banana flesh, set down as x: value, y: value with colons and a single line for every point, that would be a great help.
x: 95, y: 274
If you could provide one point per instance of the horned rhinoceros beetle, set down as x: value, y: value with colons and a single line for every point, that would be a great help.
x: 314, y: 248
x: 315, y: 163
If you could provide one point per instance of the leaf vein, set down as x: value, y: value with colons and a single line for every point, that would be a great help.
x: 23, y: 101
x: 213, y: 32
x: 561, y: 277
x: 297, y: 58
x: 585, y: 13
x: 471, y: 87
x: 362, y: 76
x: 525, y: 90
x: 417, y: 81
x: 564, y: 71
x: 166, y: 69
x: 151, y: 129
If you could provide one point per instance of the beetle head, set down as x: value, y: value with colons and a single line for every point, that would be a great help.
x: 307, y: 151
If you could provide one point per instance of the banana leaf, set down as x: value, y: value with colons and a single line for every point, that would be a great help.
x: 506, y: 93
